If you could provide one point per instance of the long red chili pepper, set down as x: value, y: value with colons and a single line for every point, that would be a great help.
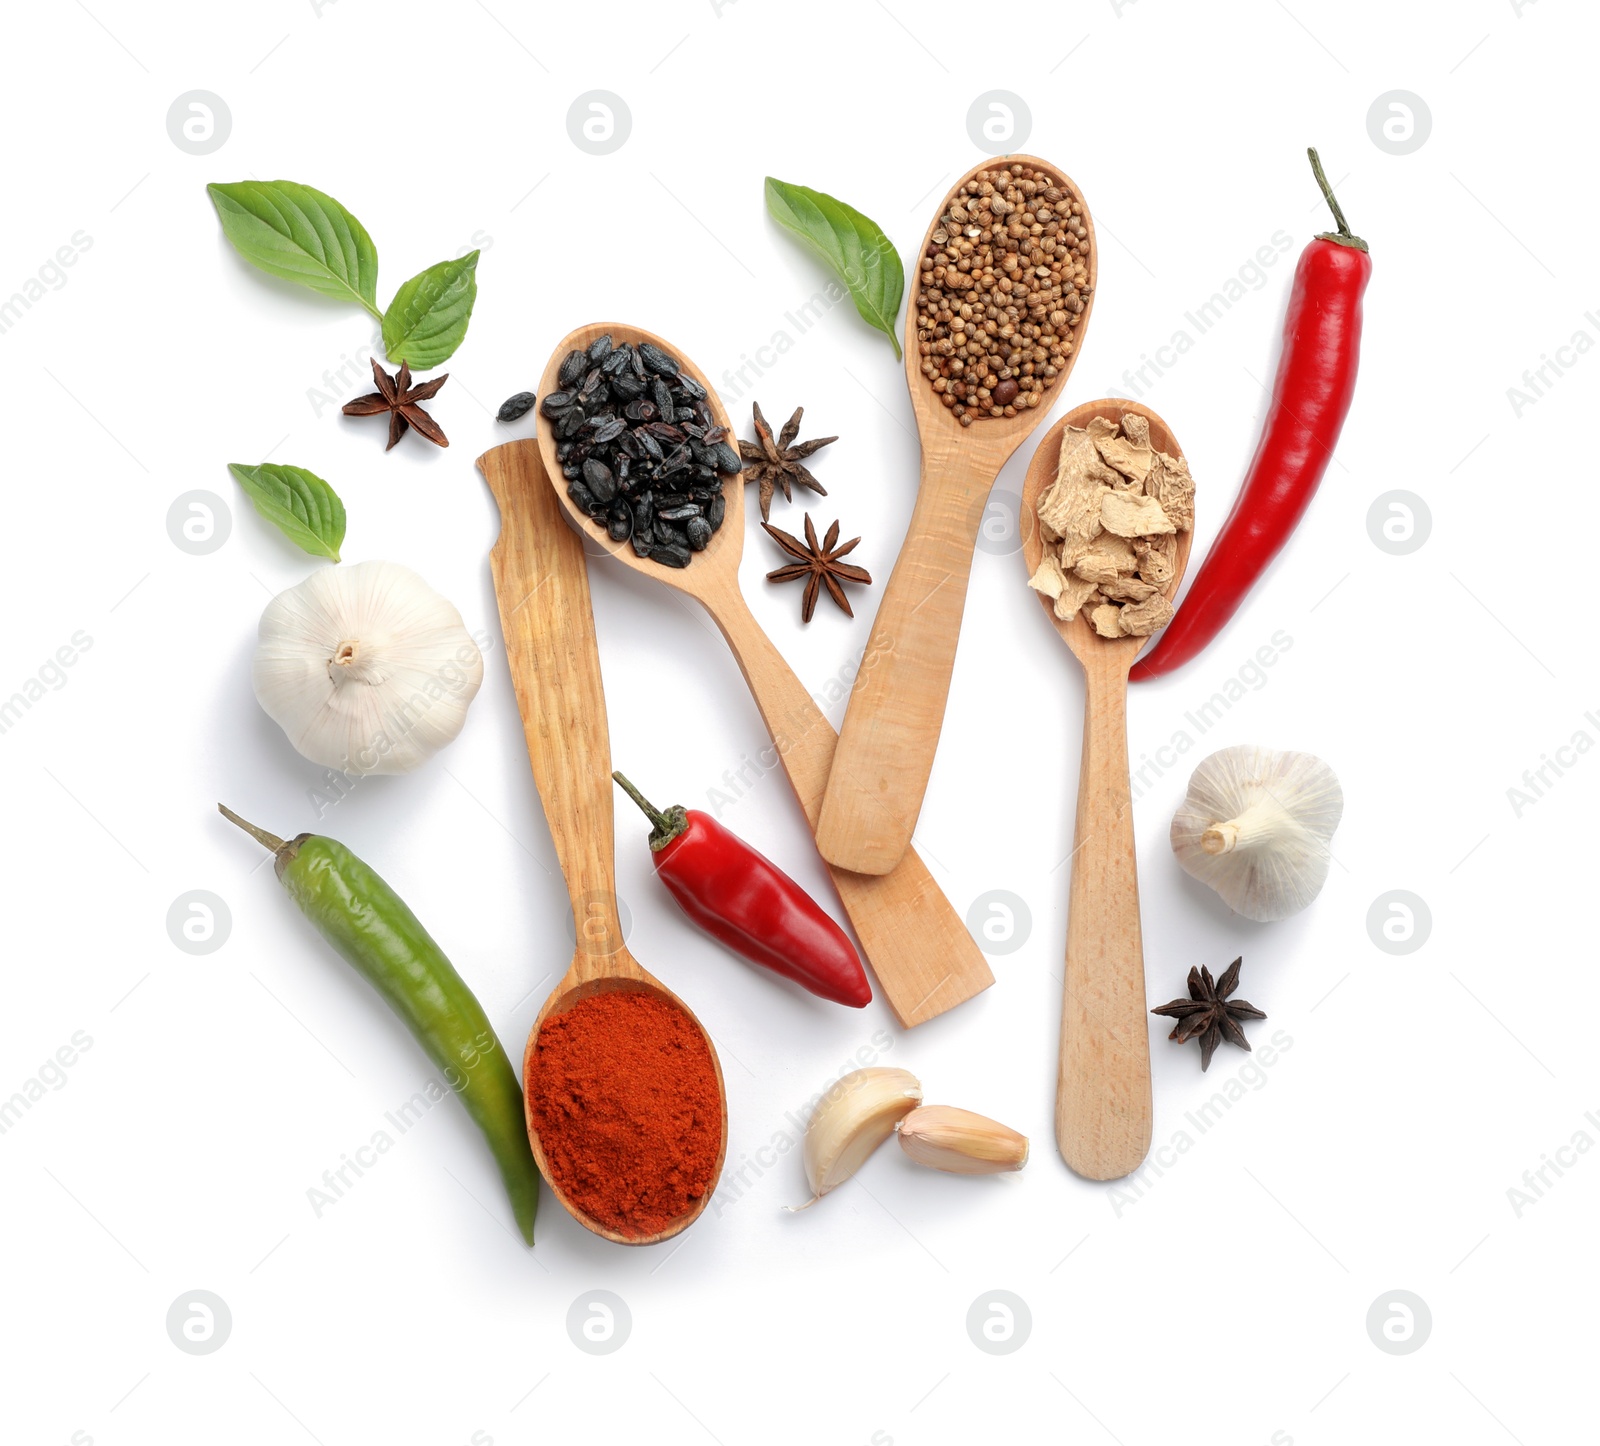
x: 740, y: 897
x: 1316, y: 379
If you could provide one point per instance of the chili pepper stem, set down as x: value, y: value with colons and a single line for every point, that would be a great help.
x: 1343, y: 236
x: 269, y: 841
x: 664, y: 827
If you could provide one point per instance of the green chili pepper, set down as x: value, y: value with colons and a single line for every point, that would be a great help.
x: 367, y: 922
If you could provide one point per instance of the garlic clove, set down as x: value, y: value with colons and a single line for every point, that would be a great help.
x: 961, y: 1142
x: 1255, y: 826
x: 856, y: 1116
x: 366, y: 668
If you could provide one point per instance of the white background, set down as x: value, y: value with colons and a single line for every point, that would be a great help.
x: 1227, y: 1300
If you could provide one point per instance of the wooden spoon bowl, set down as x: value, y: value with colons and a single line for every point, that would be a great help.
x: 896, y: 711
x: 541, y: 582
x: 918, y: 946
x: 1103, y: 1105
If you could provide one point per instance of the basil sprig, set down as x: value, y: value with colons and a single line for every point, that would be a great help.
x: 301, y: 234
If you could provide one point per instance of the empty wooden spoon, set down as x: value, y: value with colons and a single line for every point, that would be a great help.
x: 1103, y: 1083
x: 542, y: 585
x: 891, y: 729
x: 919, y: 948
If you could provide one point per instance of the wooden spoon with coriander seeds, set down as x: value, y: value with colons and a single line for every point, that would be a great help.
x: 542, y: 584
x: 1103, y: 1106
x: 925, y: 959
x: 891, y: 729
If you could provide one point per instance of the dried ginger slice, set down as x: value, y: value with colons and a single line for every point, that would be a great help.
x: 1074, y: 594
x: 1048, y: 577
x: 1171, y: 485
x: 1070, y: 506
x: 1157, y: 557
x: 1128, y: 589
x: 1131, y: 514
x: 1106, y: 558
x: 1130, y: 453
x: 1107, y: 620
x: 1140, y: 619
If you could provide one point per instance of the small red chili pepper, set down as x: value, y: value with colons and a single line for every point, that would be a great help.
x: 740, y: 897
x: 1316, y: 380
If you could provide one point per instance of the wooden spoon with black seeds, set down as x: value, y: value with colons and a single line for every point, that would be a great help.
x: 918, y: 946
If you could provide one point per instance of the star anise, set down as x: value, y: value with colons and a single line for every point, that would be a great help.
x: 777, y: 463
x: 1209, y: 1013
x: 820, y: 566
x: 397, y: 397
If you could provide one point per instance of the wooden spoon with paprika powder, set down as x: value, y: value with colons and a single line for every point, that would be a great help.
x: 542, y: 585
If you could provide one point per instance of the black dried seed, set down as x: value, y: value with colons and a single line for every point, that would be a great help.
x: 598, y: 479
x: 662, y: 362
x: 642, y: 453
x: 514, y: 407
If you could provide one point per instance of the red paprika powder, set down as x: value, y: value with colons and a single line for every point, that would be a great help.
x: 623, y: 1092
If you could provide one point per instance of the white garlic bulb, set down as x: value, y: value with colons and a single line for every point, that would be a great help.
x: 1255, y: 826
x: 366, y: 668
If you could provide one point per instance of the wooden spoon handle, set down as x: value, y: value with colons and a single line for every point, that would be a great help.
x: 896, y: 710
x: 916, y: 943
x: 541, y: 582
x: 1103, y: 1105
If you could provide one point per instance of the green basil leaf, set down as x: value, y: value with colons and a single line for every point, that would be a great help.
x: 299, y: 503
x: 427, y: 320
x: 853, y: 245
x: 295, y: 232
